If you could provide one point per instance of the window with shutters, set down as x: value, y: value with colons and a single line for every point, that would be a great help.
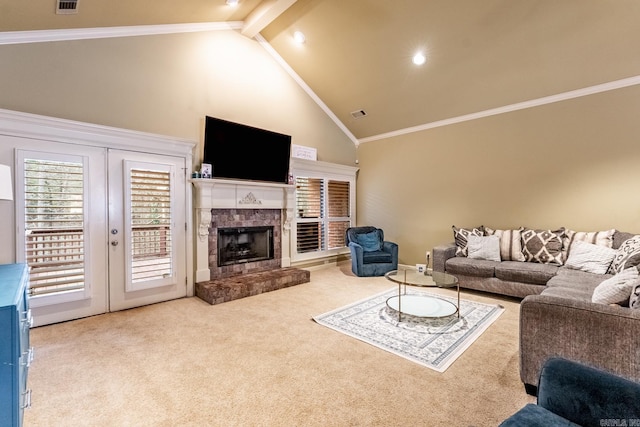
x: 54, y: 223
x: 150, y: 257
x: 324, y: 209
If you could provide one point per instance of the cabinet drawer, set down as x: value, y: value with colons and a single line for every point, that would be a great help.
x: 15, y: 352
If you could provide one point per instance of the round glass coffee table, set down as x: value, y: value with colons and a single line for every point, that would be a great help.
x: 422, y: 305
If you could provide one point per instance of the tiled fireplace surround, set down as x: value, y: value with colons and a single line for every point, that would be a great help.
x: 230, y: 203
x: 222, y: 218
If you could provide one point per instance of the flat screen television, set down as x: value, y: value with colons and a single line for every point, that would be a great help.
x: 238, y: 151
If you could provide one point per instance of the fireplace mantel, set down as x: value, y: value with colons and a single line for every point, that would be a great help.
x: 236, y: 194
x: 226, y: 193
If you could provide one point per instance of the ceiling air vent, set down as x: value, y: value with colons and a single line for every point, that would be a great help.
x: 66, y: 7
x: 358, y: 114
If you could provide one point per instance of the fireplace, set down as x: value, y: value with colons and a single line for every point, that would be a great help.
x: 238, y: 245
x: 224, y: 204
x: 243, y: 241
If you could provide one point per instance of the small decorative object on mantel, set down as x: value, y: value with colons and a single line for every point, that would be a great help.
x: 206, y: 170
x: 427, y: 270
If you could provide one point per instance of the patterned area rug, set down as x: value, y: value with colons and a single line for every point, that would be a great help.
x: 434, y: 343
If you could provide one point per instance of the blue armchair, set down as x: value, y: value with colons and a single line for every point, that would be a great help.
x: 571, y: 394
x: 370, y: 254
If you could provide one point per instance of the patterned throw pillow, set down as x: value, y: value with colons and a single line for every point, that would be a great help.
x: 460, y: 236
x: 542, y: 246
x: 616, y: 289
x: 600, y: 238
x: 510, y: 243
x: 627, y: 255
x: 589, y: 257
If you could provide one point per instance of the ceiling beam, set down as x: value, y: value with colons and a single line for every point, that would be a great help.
x: 263, y: 15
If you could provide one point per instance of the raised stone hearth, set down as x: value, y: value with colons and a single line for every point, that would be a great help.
x: 231, y: 288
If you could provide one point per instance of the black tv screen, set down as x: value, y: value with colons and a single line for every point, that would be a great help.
x: 238, y: 151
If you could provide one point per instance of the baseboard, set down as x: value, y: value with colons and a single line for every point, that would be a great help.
x: 320, y: 263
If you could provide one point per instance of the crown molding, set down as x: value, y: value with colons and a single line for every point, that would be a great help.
x: 40, y: 36
x: 604, y: 87
x: 33, y: 126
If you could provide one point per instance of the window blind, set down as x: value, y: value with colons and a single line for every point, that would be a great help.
x: 322, y: 213
x: 338, y: 213
x: 54, y: 225
x: 309, y: 208
x: 151, y: 248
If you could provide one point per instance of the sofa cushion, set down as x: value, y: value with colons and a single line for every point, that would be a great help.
x: 574, y: 293
x: 627, y: 255
x: 573, y: 284
x: 616, y: 289
x: 510, y: 243
x: 471, y: 267
x: 533, y: 415
x: 525, y: 272
x: 376, y: 257
x: 570, y: 278
x: 460, y: 236
x: 543, y: 246
x: 590, y: 257
x: 485, y: 247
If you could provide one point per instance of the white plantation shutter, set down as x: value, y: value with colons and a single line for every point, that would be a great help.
x: 150, y: 253
x: 323, y: 213
x: 310, y: 209
x: 54, y: 225
x: 339, y: 212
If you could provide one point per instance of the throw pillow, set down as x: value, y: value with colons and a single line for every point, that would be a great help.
x: 487, y: 247
x: 542, y: 246
x: 370, y: 241
x: 589, y: 257
x: 634, y: 300
x: 616, y: 289
x: 627, y: 255
x: 600, y: 238
x: 510, y: 244
x: 460, y: 235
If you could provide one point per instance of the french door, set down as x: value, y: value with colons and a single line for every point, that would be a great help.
x: 102, y: 230
x: 147, y: 229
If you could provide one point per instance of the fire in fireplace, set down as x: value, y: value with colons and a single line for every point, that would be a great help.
x: 238, y: 245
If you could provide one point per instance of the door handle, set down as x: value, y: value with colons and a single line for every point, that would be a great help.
x: 114, y: 243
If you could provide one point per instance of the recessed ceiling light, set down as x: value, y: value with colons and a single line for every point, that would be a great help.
x: 419, y: 58
x: 299, y: 37
x: 232, y: 2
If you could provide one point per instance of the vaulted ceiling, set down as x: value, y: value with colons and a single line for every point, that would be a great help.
x: 480, y: 55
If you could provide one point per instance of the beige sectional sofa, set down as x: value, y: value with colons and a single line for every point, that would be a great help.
x: 557, y: 314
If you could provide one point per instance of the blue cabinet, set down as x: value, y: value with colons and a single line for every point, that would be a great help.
x: 15, y: 351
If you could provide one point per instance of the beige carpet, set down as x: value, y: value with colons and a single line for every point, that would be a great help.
x: 262, y: 361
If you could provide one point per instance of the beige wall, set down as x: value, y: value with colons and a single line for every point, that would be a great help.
x: 166, y: 84
x: 574, y: 164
